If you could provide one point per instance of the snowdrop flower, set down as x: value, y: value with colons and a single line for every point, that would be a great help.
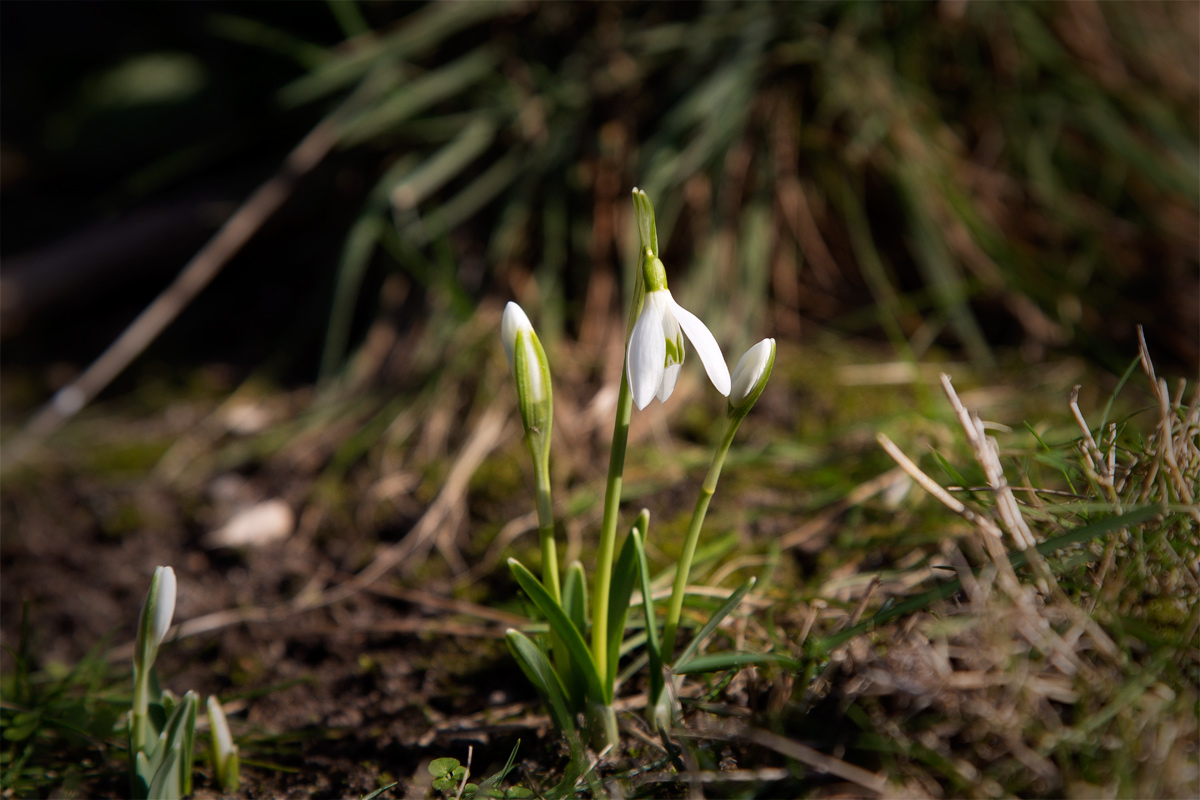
x: 528, y: 362
x: 750, y: 376
x: 656, y: 349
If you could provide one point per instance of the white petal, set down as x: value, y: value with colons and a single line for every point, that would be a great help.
x: 749, y: 369
x: 164, y: 605
x: 706, y: 346
x: 514, y: 320
x: 670, y: 375
x: 647, y: 353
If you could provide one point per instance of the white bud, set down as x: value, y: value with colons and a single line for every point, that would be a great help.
x: 164, y: 604
x: 514, y: 320
x: 530, y: 369
x: 751, y: 374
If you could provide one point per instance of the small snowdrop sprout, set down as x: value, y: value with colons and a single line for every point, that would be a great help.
x: 224, y: 752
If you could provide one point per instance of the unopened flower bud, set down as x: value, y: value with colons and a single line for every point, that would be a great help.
x: 530, y: 368
x: 750, y: 376
x: 157, y: 611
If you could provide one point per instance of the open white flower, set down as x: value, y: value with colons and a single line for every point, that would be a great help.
x: 656, y: 349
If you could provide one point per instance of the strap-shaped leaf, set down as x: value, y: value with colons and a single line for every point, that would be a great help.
x: 537, y: 669
x: 187, y: 741
x: 715, y: 620
x: 575, y: 596
x: 562, y: 627
x: 575, y: 599
x: 653, y: 650
x: 624, y: 578
x: 717, y: 662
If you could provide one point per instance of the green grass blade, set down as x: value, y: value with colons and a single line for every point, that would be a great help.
x: 412, y: 97
x: 563, y: 628
x: 719, y: 662
x: 715, y: 620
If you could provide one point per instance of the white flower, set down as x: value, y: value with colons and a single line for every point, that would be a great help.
x: 656, y: 349
x: 751, y: 373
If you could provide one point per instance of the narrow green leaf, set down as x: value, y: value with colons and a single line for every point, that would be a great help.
x: 653, y: 651
x: 563, y: 627
x: 187, y: 742
x: 575, y: 596
x: 537, y: 669
x: 715, y: 620
x: 718, y: 662
x: 165, y: 785
x: 378, y: 791
x: 624, y: 577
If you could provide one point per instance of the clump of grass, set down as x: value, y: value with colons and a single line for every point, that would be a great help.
x: 1063, y: 660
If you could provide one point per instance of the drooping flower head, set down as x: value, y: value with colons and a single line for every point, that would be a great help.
x: 656, y: 350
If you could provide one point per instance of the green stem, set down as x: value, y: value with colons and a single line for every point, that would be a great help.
x: 675, y: 608
x: 545, y: 512
x: 608, y: 527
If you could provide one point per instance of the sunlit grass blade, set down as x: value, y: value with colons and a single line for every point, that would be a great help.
x: 562, y: 627
x: 537, y: 669
x: 716, y: 619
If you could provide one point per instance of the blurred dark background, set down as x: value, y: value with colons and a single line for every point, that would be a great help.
x: 1005, y: 181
